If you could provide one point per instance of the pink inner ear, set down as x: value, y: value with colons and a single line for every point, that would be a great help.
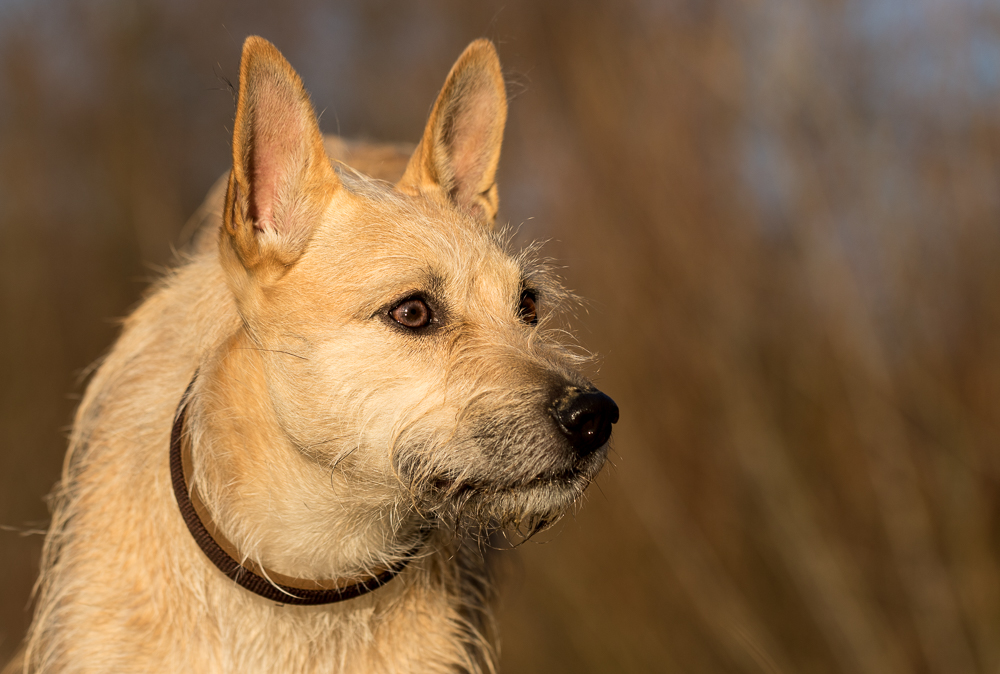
x: 277, y: 145
x: 468, y: 136
x: 469, y: 143
x: 261, y: 196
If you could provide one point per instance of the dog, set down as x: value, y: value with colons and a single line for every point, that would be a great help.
x: 287, y: 460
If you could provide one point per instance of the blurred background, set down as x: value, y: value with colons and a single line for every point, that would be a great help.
x: 785, y: 216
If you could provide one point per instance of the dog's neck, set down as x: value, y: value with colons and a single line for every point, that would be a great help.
x: 248, y: 575
x: 242, y: 462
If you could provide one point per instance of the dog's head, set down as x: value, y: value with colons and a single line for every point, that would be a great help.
x: 410, y: 348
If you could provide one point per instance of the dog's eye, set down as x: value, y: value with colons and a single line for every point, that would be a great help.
x: 412, y: 313
x: 528, y: 310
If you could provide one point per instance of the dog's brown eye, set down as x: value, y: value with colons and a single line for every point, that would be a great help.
x: 412, y: 313
x: 528, y: 311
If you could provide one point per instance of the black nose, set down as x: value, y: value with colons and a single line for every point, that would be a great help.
x: 585, y: 418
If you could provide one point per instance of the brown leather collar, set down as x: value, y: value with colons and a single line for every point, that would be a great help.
x: 279, y: 588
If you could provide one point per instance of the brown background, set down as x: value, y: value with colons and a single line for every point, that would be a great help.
x: 785, y: 217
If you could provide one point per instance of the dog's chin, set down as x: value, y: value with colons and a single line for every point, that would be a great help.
x: 528, y: 501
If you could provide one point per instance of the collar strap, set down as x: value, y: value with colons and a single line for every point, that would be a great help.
x: 241, y: 574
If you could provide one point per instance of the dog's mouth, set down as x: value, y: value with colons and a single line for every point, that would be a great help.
x: 568, y: 479
x: 550, y: 490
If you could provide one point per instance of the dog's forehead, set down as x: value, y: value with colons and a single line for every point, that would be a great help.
x: 375, y: 249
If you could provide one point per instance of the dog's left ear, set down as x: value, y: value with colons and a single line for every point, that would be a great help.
x: 457, y: 157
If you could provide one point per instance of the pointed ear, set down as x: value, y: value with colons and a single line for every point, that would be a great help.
x: 457, y: 157
x: 281, y: 180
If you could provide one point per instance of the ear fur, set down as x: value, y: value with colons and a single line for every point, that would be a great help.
x: 281, y: 179
x: 457, y: 157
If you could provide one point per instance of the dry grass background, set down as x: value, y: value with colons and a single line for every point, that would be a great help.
x: 785, y: 215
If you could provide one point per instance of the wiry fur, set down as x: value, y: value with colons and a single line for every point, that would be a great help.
x: 323, y: 436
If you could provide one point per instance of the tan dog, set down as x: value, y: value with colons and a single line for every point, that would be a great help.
x: 367, y: 368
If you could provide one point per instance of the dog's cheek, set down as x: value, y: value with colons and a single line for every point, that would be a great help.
x: 348, y: 397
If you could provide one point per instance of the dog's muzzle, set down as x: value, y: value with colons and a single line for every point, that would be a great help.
x: 584, y: 417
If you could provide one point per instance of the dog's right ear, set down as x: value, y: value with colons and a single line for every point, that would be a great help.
x: 281, y: 181
x: 456, y: 160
